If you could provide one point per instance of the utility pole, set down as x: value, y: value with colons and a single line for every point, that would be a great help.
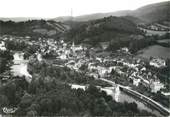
x: 71, y: 12
x: 72, y: 20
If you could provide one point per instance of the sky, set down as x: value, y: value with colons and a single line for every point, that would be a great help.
x: 56, y: 8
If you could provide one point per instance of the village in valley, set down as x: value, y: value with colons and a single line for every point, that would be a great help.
x: 121, y: 66
x: 87, y: 66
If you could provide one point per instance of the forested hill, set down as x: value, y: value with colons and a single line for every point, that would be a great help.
x: 103, y: 30
x: 32, y: 27
x: 148, y: 14
x: 154, y: 12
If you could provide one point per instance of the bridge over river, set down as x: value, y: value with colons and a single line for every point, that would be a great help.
x: 149, y: 101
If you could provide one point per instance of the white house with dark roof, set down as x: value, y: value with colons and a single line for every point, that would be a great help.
x: 156, y: 86
x: 158, y: 63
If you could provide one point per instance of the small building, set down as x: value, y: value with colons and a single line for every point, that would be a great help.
x: 153, y: 27
x: 75, y: 48
x: 4, y: 77
x: 95, y: 75
x: 104, y: 45
x: 39, y: 57
x: 2, y: 46
x: 156, y: 86
x: 158, y: 63
x: 103, y: 72
x: 136, y: 81
x: 125, y: 49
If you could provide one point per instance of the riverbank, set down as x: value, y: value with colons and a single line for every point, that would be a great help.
x: 151, y: 106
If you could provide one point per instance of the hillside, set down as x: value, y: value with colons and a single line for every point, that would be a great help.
x: 103, y: 30
x: 133, y: 19
x: 101, y: 15
x: 32, y: 27
x: 154, y: 12
x: 89, y: 17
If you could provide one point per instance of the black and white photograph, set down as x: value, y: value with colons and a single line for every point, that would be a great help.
x: 84, y: 58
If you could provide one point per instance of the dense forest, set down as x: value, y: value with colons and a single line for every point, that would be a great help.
x: 5, y: 57
x: 34, y: 28
x: 102, y: 30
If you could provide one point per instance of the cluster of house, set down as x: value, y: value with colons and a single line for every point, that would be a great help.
x: 60, y: 49
x: 5, y: 38
x: 139, y: 74
x: 100, y: 67
x: 157, y: 27
x: 157, y: 62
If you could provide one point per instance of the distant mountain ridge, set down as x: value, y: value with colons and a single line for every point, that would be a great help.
x: 92, y: 16
x: 20, y: 19
x: 154, y: 12
x: 149, y: 13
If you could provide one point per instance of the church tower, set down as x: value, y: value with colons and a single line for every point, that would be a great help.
x: 73, y: 47
x: 116, y: 92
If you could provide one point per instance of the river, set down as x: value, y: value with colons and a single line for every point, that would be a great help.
x: 120, y: 96
x: 19, y: 67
